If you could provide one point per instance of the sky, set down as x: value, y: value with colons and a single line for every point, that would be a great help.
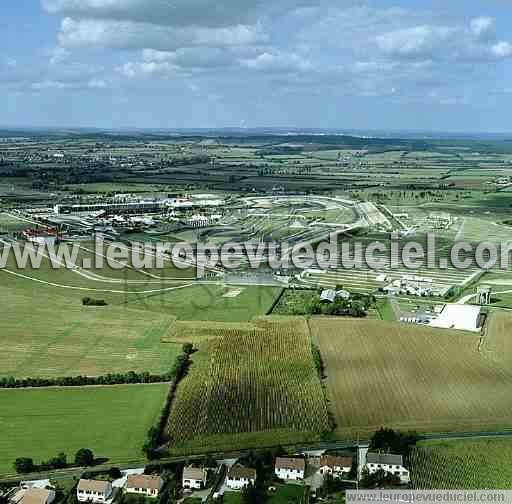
x: 438, y: 65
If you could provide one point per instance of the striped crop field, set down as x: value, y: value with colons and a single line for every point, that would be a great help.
x: 462, y: 464
x: 411, y: 377
x: 254, y: 386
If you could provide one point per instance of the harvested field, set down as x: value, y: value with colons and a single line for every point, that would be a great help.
x: 497, y: 345
x: 410, y: 377
x: 251, y: 387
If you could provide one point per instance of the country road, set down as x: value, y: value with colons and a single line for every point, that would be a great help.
x: 326, y: 445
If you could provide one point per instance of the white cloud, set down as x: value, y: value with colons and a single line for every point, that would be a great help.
x: 502, y: 49
x: 144, y: 69
x: 50, y: 84
x: 154, y: 55
x: 278, y: 61
x: 58, y: 55
x: 131, y: 35
x: 97, y: 84
x: 414, y: 41
x: 177, y: 13
x: 482, y: 26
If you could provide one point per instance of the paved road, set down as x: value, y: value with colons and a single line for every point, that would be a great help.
x: 331, y: 445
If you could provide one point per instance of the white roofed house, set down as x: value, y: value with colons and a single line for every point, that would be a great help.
x: 335, y: 465
x: 239, y: 477
x: 145, y: 484
x: 288, y: 468
x: 93, y: 490
x: 194, y: 478
x: 328, y: 295
x: 389, y: 463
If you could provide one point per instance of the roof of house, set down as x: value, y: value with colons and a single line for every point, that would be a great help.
x: 241, y: 472
x: 328, y: 295
x: 384, y: 458
x: 298, y: 464
x: 193, y: 473
x: 86, y: 485
x: 335, y: 461
x: 145, y: 481
x: 35, y: 496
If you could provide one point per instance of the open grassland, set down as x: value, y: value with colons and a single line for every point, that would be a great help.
x: 253, y: 387
x: 462, y: 464
x: 210, y: 302
x: 410, y: 377
x: 10, y: 223
x: 111, y: 421
x: 45, y: 331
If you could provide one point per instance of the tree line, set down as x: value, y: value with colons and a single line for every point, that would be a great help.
x: 83, y: 457
x: 176, y: 373
x: 156, y: 434
x: 82, y: 381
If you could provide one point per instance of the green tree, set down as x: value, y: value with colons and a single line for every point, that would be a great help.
x: 251, y: 495
x: 188, y: 348
x: 24, y: 465
x: 84, y: 457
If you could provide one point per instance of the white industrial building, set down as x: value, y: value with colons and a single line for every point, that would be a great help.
x: 458, y: 316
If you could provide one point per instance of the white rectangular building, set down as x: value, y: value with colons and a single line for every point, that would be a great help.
x: 458, y: 316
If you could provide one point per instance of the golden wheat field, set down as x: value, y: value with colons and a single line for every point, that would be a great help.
x: 255, y: 385
x: 414, y: 377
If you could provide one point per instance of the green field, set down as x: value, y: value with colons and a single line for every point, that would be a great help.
x: 112, y: 421
x: 210, y: 302
x: 47, y: 332
x: 462, y: 464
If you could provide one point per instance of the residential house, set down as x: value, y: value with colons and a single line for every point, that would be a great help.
x: 194, y: 478
x: 144, y: 484
x: 239, y: 477
x: 389, y: 463
x: 334, y: 465
x: 328, y: 295
x: 93, y: 490
x: 33, y: 496
x: 288, y: 468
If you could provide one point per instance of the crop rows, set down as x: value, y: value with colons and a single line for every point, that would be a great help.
x: 462, y: 464
x: 251, y: 381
